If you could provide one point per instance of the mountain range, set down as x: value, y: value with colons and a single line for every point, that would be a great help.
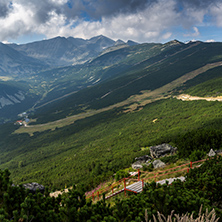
x: 26, y: 68
x: 61, y: 51
x: 92, y: 73
x: 92, y: 114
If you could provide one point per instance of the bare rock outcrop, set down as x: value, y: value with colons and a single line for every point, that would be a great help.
x: 211, y: 153
x: 162, y: 150
x: 140, y: 161
x: 171, y: 180
x: 143, y: 158
x: 158, y: 164
x: 137, y: 165
x: 33, y: 187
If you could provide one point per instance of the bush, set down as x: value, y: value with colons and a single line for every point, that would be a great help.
x: 197, y: 155
x: 148, y: 168
x: 121, y: 174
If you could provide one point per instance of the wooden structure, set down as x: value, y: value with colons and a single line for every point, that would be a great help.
x: 136, y: 187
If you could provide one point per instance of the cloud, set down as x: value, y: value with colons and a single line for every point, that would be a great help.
x: 99, y: 8
x: 216, y: 12
x: 24, y: 17
x: 198, y: 4
x: 4, y: 8
x: 139, y: 20
x: 167, y: 35
x: 145, y: 25
x: 193, y: 34
x: 210, y: 40
x: 96, y: 9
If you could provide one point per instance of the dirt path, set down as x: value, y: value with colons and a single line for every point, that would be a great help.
x: 186, y: 97
x: 56, y: 193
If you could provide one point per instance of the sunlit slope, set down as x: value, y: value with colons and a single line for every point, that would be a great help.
x: 134, y: 102
x: 150, y: 74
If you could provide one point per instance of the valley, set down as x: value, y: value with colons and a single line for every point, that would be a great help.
x: 92, y: 115
x: 135, y: 102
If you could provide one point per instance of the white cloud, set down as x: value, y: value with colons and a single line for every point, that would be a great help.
x: 27, y: 17
x: 210, y: 40
x: 59, y: 2
x: 167, y: 35
x: 146, y: 25
x: 149, y: 20
x: 16, y: 23
x: 193, y: 34
x: 216, y: 12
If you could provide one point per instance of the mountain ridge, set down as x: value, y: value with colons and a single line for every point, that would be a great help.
x: 123, y: 102
x: 65, y: 51
x: 112, y: 69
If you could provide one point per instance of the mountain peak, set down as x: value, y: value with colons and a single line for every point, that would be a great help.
x: 175, y: 41
x: 100, y: 37
x: 120, y: 42
x: 131, y: 43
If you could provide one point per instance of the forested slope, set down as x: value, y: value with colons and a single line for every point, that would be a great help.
x: 92, y: 149
x: 170, y: 63
x: 202, y: 189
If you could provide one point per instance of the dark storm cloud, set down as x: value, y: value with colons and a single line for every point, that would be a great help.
x: 96, y: 9
x: 137, y: 19
x: 42, y: 9
x: 4, y: 8
x: 199, y: 3
x: 112, y: 7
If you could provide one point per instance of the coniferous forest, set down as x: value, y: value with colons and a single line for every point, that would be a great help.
x: 202, y: 187
x: 124, y: 101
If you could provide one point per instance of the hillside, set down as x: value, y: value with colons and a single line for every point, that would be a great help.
x: 93, y: 119
x: 111, y: 73
x: 169, y: 63
x: 61, y: 51
x: 14, y: 98
x: 199, y: 196
x: 38, y: 66
x: 110, y: 141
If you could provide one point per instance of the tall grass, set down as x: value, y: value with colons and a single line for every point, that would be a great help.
x: 202, y: 217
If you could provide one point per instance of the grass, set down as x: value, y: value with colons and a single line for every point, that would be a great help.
x: 5, y: 78
x: 202, y: 217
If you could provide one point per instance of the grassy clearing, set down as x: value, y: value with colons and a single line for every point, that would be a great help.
x: 5, y: 78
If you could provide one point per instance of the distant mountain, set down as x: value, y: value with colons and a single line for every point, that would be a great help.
x: 131, y: 43
x: 109, y: 71
x: 128, y: 71
x: 13, y: 62
x: 61, y: 51
x: 27, y: 59
x: 119, y: 42
x: 10, y: 95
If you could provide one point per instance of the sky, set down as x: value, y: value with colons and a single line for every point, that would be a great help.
x: 24, y: 21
